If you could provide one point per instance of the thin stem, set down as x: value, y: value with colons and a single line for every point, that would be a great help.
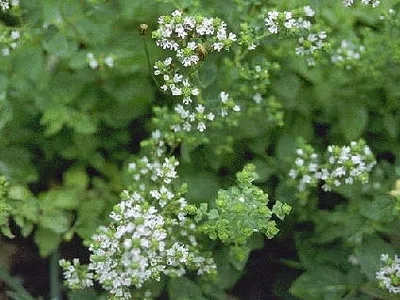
x: 150, y: 69
x: 55, y: 287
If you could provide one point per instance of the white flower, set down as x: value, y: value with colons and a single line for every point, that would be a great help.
x: 236, y: 108
x: 15, y: 35
x: 218, y: 46
x: 200, y: 109
x: 257, y: 98
x: 175, y: 90
x: 224, y: 97
x: 201, y: 126
x: 109, y: 61
x: 308, y: 11
x: 273, y: 15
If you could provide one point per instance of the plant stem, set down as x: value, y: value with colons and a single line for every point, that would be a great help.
x: 55, y: 288
x: 150, y: 69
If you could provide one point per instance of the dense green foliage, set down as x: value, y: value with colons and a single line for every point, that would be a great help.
x: 80, y: 101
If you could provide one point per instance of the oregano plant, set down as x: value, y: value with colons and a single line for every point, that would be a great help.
x: 176, y: 144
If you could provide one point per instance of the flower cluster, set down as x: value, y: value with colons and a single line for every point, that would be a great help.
x: 311, y: 45
x: 6, y: 4
x: 227, y: 104
x: 310, y: 42
x: 150, y: 235
x: 174, y: 82
x: 286, y: 22
x: 9, y: 40
x: 348, y: 54
x: 192, y: 37
x: 257, y: 80
x: 189, y: 115
x: 344, y: 165
x: 254, y: 82
x: 95, y: 63
x: 374, y: 3
x: 152, y: 172
x: 347, y: 164
x: 75, y: 274
x: 306, y: 168
x: 389, y: 275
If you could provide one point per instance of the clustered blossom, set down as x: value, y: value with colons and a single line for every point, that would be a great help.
x: 288, y: 21
x: 347, y: 164
x: 374, y: 3
x: 299, y: 23
x: 192, y: 37
x: 150, y: 235
x: 347, y: 54
x: 153, y: 172
x: 9, y: 40
x: 389, y: 275
x: 310, y: 45
x: 344, y: 165
x: 257, y: 78
x: 188, y: 117
x: 76, y: 274
x: 6, y: 4
x: 306, y: 168
x: 227, y: 104
x: 94, y: 63
x: 174, y: 82
x: 191, y: 114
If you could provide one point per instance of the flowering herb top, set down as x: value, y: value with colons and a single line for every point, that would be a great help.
x: 389, y: 275
x: 192, y: 37
x: 343, y: 165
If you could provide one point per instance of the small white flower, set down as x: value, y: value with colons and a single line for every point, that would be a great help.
x: 224, y: 97
x: 308, y: 11
x: 15, y: 35
x: 201, y: 126
x: 109, y: 61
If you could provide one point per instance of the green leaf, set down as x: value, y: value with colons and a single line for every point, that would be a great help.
x: 369, y: 255
x: 184, y: 289
x: 54, y: 117
x: 324, y: 283
x: 16, y: 164
x: 227, y: 274
x: 58, y: 45
x: 66, y: 87
x: 264, y: 169
x: 83, y: 123
x: 139, y: 10
x: 286, y: 147
x: 380, y: 209
x: 391, y: 125
x: 208, y: 73
x: 51, y: 12
x: 353, y: 120
x: 46, y: 240
x: 76, y: 177
x: 56, y: 221
x: 63, y: 199
x: 34, y: 56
